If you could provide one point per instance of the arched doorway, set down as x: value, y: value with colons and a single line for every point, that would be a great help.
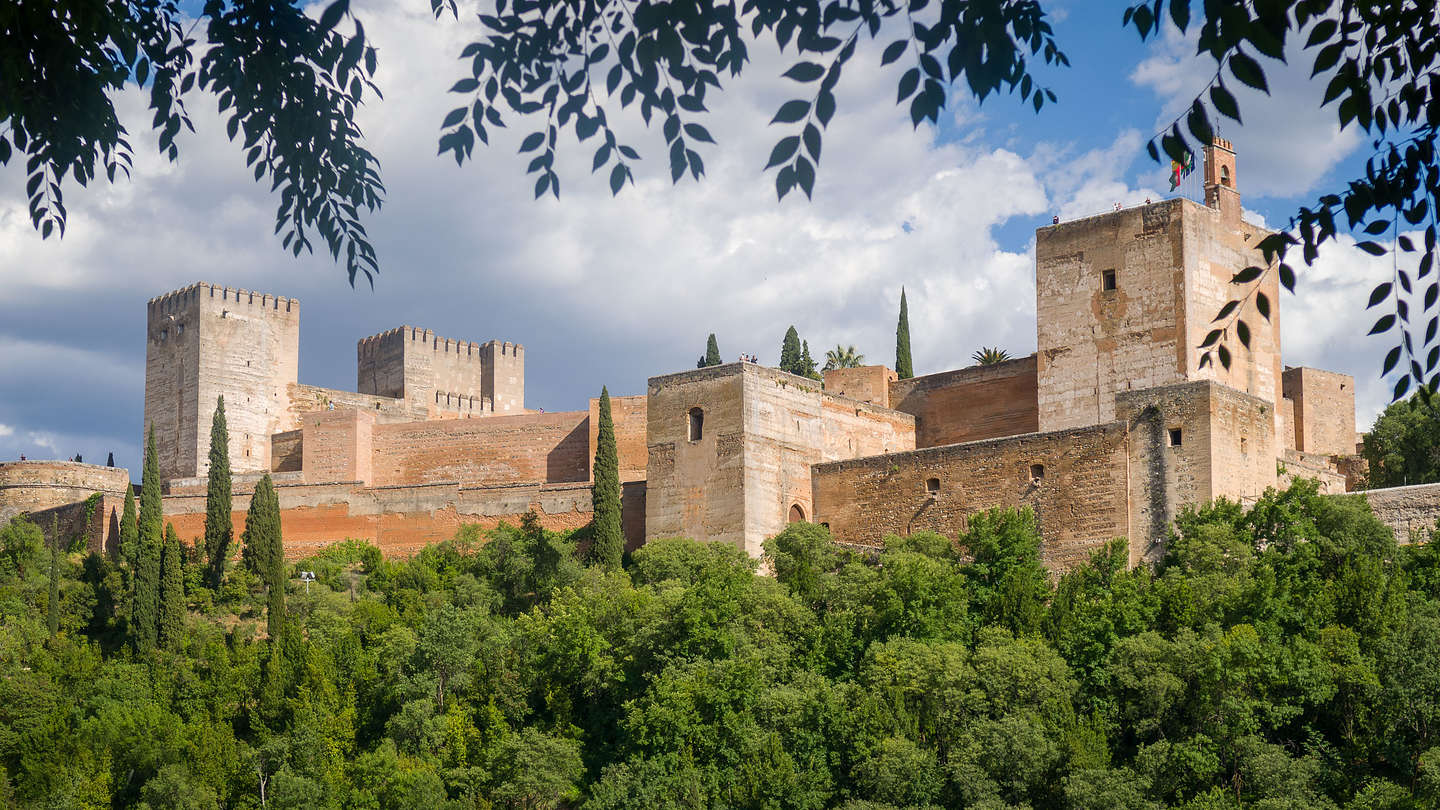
x: 797, y: 513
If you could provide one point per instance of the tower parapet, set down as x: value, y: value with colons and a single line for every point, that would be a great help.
x: 445, y: 375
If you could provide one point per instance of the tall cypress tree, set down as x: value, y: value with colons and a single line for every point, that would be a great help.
x: 129, y: 531
x: 265, y: 550
x: 790, y: 352
x: 145, y: 613
x: 172, y: 591
x: 608, y: 541
x: 712, y: 351
x: 219, y: 526
x: 903, y: 368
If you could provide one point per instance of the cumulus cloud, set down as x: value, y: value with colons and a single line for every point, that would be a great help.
x: 601, y: 290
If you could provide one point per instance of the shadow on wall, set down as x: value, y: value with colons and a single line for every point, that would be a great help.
x: 569, y: 459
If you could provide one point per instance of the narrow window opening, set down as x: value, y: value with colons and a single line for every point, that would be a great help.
x: 1176, y: 437
x: 797, y: 514
x: 1224, y: 175
x: 1037, y: 473
x: 1107, y: 280
x: 697, y: 424
x: 1243, y: 447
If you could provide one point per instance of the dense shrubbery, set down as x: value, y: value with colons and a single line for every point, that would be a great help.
x: 1284, y: 656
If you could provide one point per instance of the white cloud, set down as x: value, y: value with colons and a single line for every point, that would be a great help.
x: 6, y: 430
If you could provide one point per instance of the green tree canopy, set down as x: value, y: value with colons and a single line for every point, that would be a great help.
x: 1403, y: 447
x: 990, y: 355
x: 790, y: 352
x: 172, y: 591
x: 843, y: 357
x: 145, y: 610
x: 712, y: 352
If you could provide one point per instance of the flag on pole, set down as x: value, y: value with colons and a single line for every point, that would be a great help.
x: 1179, y: 171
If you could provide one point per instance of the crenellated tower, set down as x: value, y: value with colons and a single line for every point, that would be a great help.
x: 442, y: 376
x: 204, y: 341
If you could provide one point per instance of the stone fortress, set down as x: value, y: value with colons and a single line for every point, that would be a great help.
x: 1107, y: 431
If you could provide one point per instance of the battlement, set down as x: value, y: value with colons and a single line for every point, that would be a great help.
x: 370, y: 346
x: 185, y: 297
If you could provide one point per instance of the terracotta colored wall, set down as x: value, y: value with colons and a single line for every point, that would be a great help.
x: 628, y: 414
x: 548, y: 447
x: 402, y: 520
x: 1081, y: 502
x: 970, y: 404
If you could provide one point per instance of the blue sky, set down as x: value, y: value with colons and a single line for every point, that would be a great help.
x: 611, y: 291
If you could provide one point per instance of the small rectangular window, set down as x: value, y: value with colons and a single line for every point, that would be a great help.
x: 1175, y: 437
x: 932, y: 487
x: 1037, y: 473
x: 1107, y: 280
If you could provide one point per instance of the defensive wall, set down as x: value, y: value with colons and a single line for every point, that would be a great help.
x: 400, y: 520
x: 54, y: 494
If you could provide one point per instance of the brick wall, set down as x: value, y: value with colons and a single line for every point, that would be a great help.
x: 1080, y: 502
x: 628, y: 414
x: 970, y: 404
x: 530, y: 448
x: 287, y: 451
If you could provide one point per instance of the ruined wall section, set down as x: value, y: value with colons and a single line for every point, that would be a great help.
x: 695, y: 487
x: 1079, y: 495
x: 629, y: 416
x: 971, y: 404
x: 527, y: 448
x: 309, y: 398
x: 35, y: 486
x: 1108, y: 293
x: 1324, y: 410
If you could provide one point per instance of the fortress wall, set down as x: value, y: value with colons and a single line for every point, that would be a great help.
x: 1309, y: 465
x: 867, y: 383
x: 35, y: 486
x: 1324, y: 410
x: 971, y: 404
x: 530, y: 448
x: 172, y: 360
x: 629, y: 416
x: 338, y: 446
x: 1410, y: 511
x: 1081, y: 501
x: 99, y: 527
x: 504, y: 382
x: 402, y: 520
x: 441, y: 376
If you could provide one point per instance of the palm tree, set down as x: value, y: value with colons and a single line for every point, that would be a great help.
x: 843, y: 357
x: 989, y: 356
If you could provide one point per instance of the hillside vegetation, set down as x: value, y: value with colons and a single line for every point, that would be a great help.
x: 1281, y: 656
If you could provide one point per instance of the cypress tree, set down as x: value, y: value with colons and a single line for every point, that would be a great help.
x: 903, y: 368
x: 52, y: 603
x: 129, y: 531
x: 110, y: 460
x: 145, y: 613
x: 219, y: 527
x: 807, y: 363
x: 790, y: 352
x: 172, y: 591
x: 265, y: 550
x: 712, y: 351
x: 608, y: 541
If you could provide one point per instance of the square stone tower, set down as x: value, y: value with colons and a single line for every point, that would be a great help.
x: 204, y: 341
x: 1124, y: 300
x: 441, y: 376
